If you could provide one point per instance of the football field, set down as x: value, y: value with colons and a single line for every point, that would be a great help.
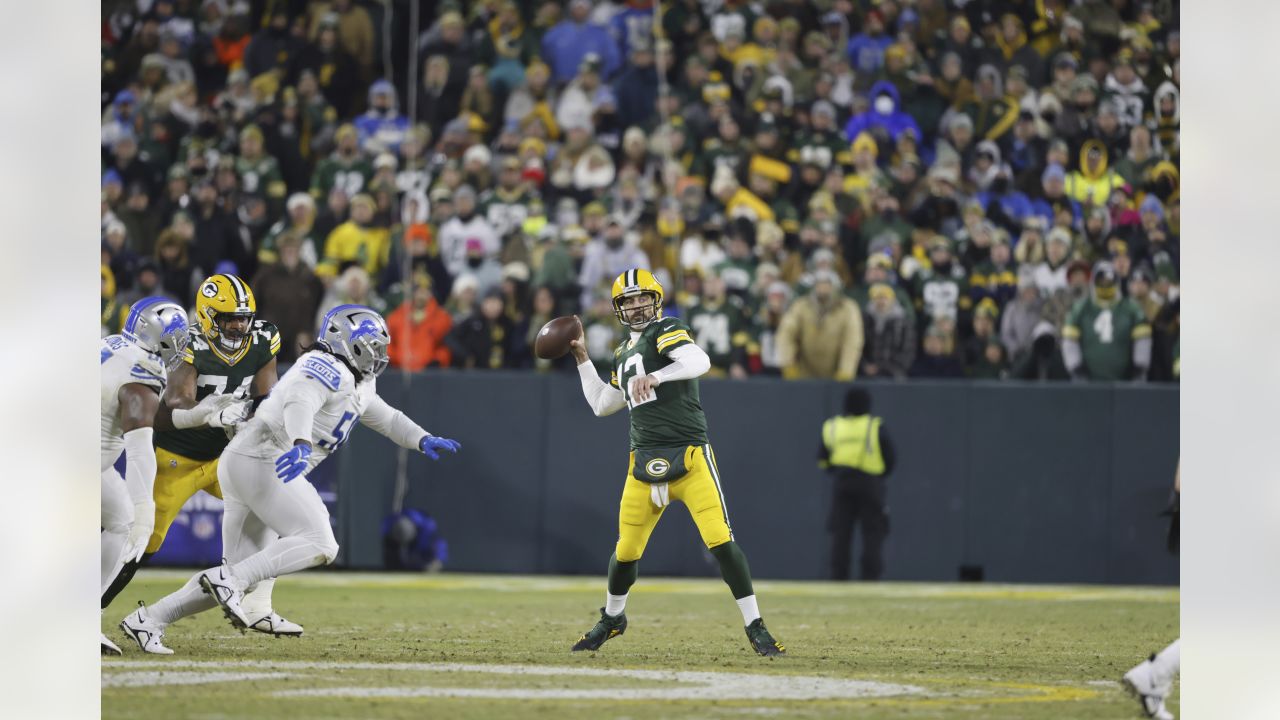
x: 481, y: 646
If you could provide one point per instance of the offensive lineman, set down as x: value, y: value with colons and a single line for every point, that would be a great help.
x: 232, y: 355
x: 134, y: 365
x: 655, y: 377
x: 275, y: 522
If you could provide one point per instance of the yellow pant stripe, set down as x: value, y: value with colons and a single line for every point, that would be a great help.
x: 715, y: 478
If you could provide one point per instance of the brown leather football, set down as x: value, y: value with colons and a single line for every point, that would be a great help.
x: 553, y: 339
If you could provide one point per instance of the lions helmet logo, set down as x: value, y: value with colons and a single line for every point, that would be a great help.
x: 366, y: 327
x: 177, y: 324
x: 657, y: 467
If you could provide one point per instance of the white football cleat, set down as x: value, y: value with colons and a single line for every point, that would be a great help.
x: 228, y: 591
x: 1144, y: 684
x: 273, y: 624
x: 140, y: 627
x: 108, y: 647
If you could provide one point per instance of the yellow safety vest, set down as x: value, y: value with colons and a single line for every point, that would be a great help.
x: 854, y: 442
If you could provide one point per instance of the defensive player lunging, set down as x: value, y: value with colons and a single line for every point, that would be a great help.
x: 655, y: 377
x: 275, y: 522
x: 232, y: 356
x: 135, y: 366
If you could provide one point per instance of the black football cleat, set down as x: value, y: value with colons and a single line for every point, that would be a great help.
x: 762, y: 642
x: 609, y: 627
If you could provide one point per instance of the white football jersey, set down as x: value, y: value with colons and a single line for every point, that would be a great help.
x: 123, y: 363
x: 343, y: 402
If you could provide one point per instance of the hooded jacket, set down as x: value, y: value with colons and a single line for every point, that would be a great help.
x: 895, y: 123
x: 1166, y: 127
x: 816, y: 342
x: 992, y: 118
x: 1093, y: 185
x: 891, y: 340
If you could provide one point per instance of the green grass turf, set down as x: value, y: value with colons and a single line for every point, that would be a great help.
x: 973, y: 651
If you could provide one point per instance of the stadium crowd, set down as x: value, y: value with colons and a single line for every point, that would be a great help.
x: 825, y: 188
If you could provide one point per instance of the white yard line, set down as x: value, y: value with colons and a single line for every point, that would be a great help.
x: 701, y: 586
x: 676, y: 684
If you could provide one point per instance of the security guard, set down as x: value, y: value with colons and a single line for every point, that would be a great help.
x: 859, y: 455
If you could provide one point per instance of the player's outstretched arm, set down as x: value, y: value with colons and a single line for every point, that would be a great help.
x: 687, y: 362
x: 603, y: 399
x: 138, y: 405
x: 397, y: 427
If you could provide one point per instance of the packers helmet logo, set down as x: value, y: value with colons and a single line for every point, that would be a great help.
x: 209, y: 290
x: 657, y: 467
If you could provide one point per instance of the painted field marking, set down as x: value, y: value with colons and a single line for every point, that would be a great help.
x: 153, y: 678
x: 677, y: 684
x: 710, y: 586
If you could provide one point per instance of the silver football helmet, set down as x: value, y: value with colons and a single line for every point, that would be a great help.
x: 158, y: 325
x: 357, y: 334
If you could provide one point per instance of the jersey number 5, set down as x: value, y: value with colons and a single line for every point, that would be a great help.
x: 341, y: 432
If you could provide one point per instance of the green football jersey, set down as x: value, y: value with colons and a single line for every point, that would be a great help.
x: 506, y: 212
x: 672, y: 416
x: 218, y: 372
x: 1106, y: 336
x: 333, y: 172
x: 261, y: 176
x: 720, y: 331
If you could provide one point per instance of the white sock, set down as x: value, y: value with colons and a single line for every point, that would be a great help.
x: 189, y: 600
x: 1166, y: 663
x: 750, y: 611
x: 615, y: 604
x: 257, y: 601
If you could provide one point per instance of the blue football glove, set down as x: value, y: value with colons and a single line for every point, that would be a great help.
x: 430, y: 444
x: 292, y: 464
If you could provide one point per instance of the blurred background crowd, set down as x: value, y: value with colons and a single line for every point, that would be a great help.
x: 825, y: 188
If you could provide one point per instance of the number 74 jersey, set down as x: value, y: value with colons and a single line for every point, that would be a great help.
x: 672, y: 416
x: 223, y: 373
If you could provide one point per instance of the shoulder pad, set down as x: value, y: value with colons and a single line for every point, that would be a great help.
x: 320, y: 369
x: 148, y: 370
x: 667, y: 324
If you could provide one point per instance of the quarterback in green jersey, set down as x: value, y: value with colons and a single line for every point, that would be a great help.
x: 655, y: 376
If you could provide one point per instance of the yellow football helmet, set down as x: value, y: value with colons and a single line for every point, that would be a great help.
x: 637, y: 281
x: 221, y: 298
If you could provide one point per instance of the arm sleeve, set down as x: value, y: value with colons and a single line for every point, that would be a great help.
x: 392, y: 424
x: 1142, y: 355
x: 1071, y: 355
x: 888, y: 451
x: 140, y: 464
x: 301, y: 407
x: 687, y: 362
x: 851, y: 351
x: 603, y: 399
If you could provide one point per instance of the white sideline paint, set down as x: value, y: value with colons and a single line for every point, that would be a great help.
x: 715, y: 587
x: 152, y: 678
x: 677, y: 685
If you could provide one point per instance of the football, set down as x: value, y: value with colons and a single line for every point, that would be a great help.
x: 553, y: 338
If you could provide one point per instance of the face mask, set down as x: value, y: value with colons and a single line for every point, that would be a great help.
x: 884, y: 105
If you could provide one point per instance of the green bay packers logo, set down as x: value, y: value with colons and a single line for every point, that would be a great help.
x: 657, y: 467
x: 209, y: 290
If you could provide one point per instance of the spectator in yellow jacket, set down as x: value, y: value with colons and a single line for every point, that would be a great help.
x: 356, y: 241
x: 1093, y: 182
